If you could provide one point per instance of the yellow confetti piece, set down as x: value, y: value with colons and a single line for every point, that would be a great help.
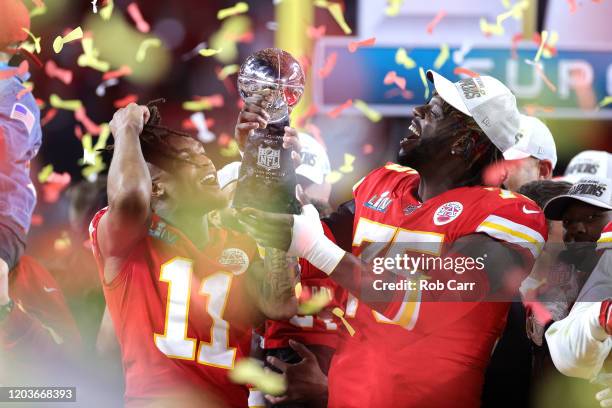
x: 227, y: 71
x: 333, y: 177
x: 89, y: 58
x: 605, y: 101
x: 336, y: 11
x: 239, y: 8
x: 196, y: 106
x: 442, y: 56
x: 45, y: 172
x: 347, y: 167
x: 58, y: 103
x: 107, y: 11
x: 34, y: 38
x: 402, y: 58
x: 103, y: 137
x: 424, y: 80
x: 249, y: 371
x: 62, y: 243
x: 393, y: 7
x: 209, y: 52
x: 490, y: 29
x: 231, y: 149
x: 144, y: 46
x: 91, y: 172
x: 544, y: 37
x: 339, y: 313
x: 315, y: 304
x: 369, y: 113
x: 89, y: 155
x: 58, y: 43
x: 38, y: 11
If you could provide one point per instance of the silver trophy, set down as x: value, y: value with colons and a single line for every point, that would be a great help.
x: 267, y: 178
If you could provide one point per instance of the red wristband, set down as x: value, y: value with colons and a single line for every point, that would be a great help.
x: 605, y: 316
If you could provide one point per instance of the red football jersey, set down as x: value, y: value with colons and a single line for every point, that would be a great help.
x: 419, y: 359
x: 605, y: 240
x: 320, y: 329
x: 182, y: 315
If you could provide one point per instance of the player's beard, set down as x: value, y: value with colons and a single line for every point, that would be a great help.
x: 416, y: 157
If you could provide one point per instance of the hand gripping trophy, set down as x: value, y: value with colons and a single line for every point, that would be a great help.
x: 267, y: 178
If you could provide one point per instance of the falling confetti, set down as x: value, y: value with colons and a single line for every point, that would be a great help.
x: 367, y: 149
x: 433, y: 23
x: 370, y: 113
x: 315, y: 304
x: 136, y: 15
x: 465, y: 71
x: 202, y: 125
x: 442, y: 56
x: 605, y: 101
x: 204, y: 103
x: 81, y: 115
x: 572, y: 6
x: 53, y: 71
x: 36, y: 40
x: 347, y: 166
x: 48, y: 116
x: 123, y: 70
x: 339, y: 109
x: 209, y: 52
x: 333, y: 177
x: 339, y: 313
x: 44, y: 173
x: 144, y: 46
x: 402, y: 58
x: 393, y: 7
x: 189, y: 55
x: 58, y: 103
x: 89, y: 58
x: 541, y: 47
x: 28, y: 87
x: 125, y: 101
x: 107, y: 11
x: 250, y: 371
x: 330, y: 63
x: 490, y: 29
x: 314, y: 33
x: 232, y: 149
x: 239, y: 8
x: 38, y: 11
x: 58, y: 43
x: 336, y: 12
x: 354, y: 45
x: 53, y: 185
x: 393, y: 78
x: 101, y: 89
x: 227, y: 71
x: 459, y: 55
x: 424, y: 80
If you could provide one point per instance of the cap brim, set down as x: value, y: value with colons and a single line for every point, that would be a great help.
x: 555, y: 208
x: 515, y: 154
x: 448, y: 91
x: 310, y: 173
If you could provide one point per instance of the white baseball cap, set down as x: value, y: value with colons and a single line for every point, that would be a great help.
x: 590, y: 163
x: 228, y: 174
x: 590, y: 190
x: 537, y: 141
x: 488, y: 101
x: 315, y: 162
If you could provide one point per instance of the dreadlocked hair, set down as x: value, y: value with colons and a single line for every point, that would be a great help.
x: 475, y: 147
x: 154, y: 136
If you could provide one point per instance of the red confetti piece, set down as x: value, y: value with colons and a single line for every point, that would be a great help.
x: 123, y: 70
x: 40, y: 103
x: 24, y: 91
x: 541, y: 313
x: 367, y: 149
x: 532, y: 109
x: 329, y: 65
x: 48, y: 116
x: 81, y: 115
x: 78, y: 132
x: 23, y: 68
x: 536, y: 39
x: 188, y: 124
x: 54, y: 185
x: 53, y: 71
x: 393, y: 78
x: 404, y: 93
x: 314, y: 33
x: 572, y: 6
x: 136, y: 15
x: 224, y: 139
x: 433, y: 23
x: 354, y: 45
x: 310, y: 112
x: 338, y: 110
x: 547, y: 81
x: 468, y: 72
x: 37, y: 220
x: 125, y: 101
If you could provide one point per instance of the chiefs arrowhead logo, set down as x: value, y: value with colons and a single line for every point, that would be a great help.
x: 447, y: 212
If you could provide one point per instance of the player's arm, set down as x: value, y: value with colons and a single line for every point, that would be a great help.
x: 129, y: 190
x: 271, y: 283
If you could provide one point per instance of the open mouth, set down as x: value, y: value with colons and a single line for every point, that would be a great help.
x: 412, y: 137
x: 414, y: 129
x: 209, y: 180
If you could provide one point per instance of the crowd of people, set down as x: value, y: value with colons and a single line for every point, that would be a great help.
x: 173, y: 287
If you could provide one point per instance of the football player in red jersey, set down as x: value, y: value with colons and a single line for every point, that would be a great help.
x: 422, y: 352
x: 183, y: 297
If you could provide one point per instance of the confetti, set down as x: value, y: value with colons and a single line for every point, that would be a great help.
x: 107, y: 11
x: 63, y: 243
x: 44, y: 173
x: 402, y: 58
x: 38, y: 11
x: 91, y: 172
x: 189, y: 55
x: 339, y: 313
x: 333, y: 177
x: 202, y: 124
x: 336, y: 11
x: 81, y: 115
x: 58, y: 103
x: 532, y: 109
x: 406, y: 94
x: 314, y: 33
x: 54, y: 184
x: 89, y: 58
x: 330, y: 63
x: 125, y: 101
x: 250, y: 371
x: 541, y: 313
x: 489, y: 29
x: 367, y: 149
x: 28, y: 87
x: 48, y: 116
x: 459, y: 55
x: 605, y: 101
x: 123, y: 70
x: 465, y: 71
x: 231, y: 149
x: 424, y: 80
x: 144, y: 46
x: 227, y: 71
x: 338, y: 110
x: 136, y: 15
x: 442, y: 57
x: 101, y: 89
x: 370, y: 113
x: 58, y: 43
x: 239, y: 8
x: 542, y: 75
x: 209, y: 52
x: 544, y: 37
x: 53, y: 71
x: 497, y: 29
x: 35, y: 39
x: 572, y: 6
x: 204, y: 103
x: 433, y: 23
x: 347, y: 166
x: 353, y: 45
x: 315, y: 304
x: 310, y: 112
x: 393, y: 7
x: 94, y: 6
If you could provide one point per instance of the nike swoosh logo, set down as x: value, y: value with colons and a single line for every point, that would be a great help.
x: 526, y: 211
x: 49, y: 290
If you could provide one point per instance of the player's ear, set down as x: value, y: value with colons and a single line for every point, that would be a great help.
x: 464, y: 143
x: 157, y: 189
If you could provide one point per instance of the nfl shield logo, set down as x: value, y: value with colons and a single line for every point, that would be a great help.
x: 268, y: 158
x: 447, y: 212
